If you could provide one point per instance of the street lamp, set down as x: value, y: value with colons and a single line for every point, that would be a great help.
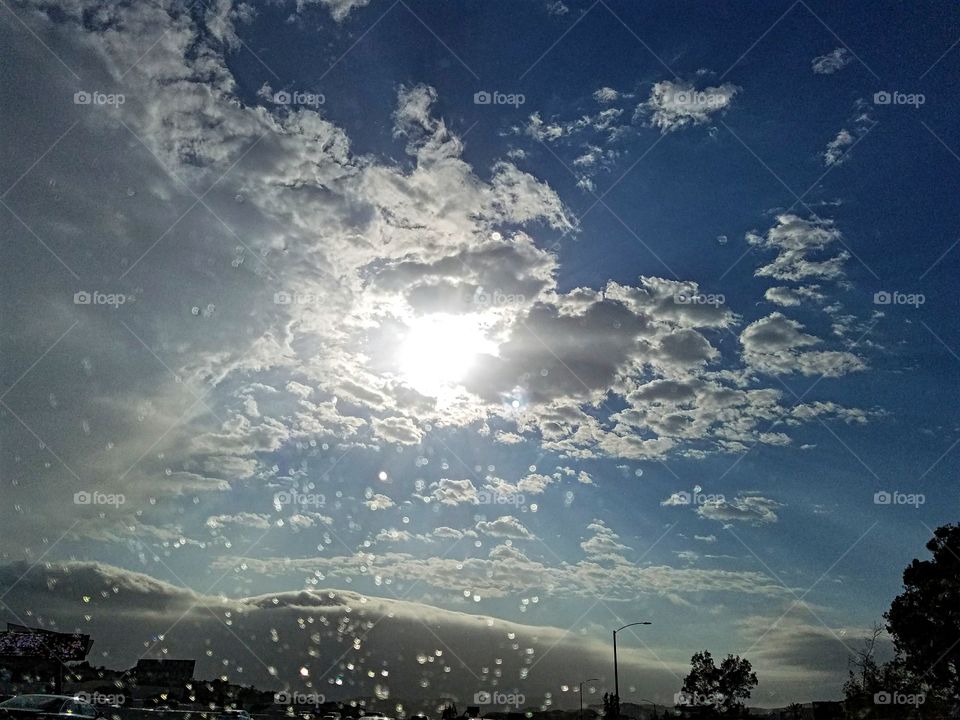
x: 580, y: 716
x: 616, y: 677
x: 654, y: 705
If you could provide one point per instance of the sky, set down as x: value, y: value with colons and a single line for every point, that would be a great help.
x: 407, y: 349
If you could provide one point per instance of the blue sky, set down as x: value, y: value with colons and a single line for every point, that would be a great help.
x: 297, y: 312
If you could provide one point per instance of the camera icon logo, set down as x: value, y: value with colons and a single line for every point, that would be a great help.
x: 82, y: 498
x: 683, y: 498
x: 882, y: 98
x: 882, y: 298
x: 882, y: 698
x: 882, y: 497
x: 481, y: 297
x: 482, y: 98
x: 82, y: 97
x: 282, y: 697
x: 281, y: 97
x: 282, y: 298
x: 482, y: 698
x: 81, y: 298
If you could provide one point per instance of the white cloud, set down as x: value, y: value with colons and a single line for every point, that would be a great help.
x: 836, y: 151
x: 675, y: 105
x: 606, y: 95
x: 392, y: 535
x: 676, y: 499
x: 534, y: 483
x: 832, y: 61
x: 793, y: 296
x: 299, y: 389
x: 507, y: 572
x: 800, y: 245
x: 752, y: 509
x: 316, y: 315
x: 243, y: 519
x: 452, y: 533
x: 557, y: 7
x: 397, y: 429
x: 505, y: 526
x: 604, y: 544
x: 455, y: 492
x: 776, y: 345
x: 379, y: 501
x: 339, y: 9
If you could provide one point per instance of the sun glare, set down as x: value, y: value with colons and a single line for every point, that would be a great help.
x: 439, y: 350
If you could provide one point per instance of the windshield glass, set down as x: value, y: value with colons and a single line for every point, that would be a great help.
x: 480, y: 359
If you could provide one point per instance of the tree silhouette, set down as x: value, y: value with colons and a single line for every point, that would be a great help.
x: 722, y: 690
x: 924, y: 623
x: 864, y: 672
x: 924, y: 619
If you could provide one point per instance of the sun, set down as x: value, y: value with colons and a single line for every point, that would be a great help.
x: 440, y: 349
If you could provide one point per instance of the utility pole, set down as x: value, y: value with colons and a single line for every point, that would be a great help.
x: 580, y: 716
x: 616, y: 675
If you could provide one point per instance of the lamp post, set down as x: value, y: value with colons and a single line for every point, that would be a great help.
x: 616, y: 677
x: 654, y: 705
x: 580, y: 716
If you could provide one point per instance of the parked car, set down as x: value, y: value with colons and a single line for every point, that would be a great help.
x: 37, y: 707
